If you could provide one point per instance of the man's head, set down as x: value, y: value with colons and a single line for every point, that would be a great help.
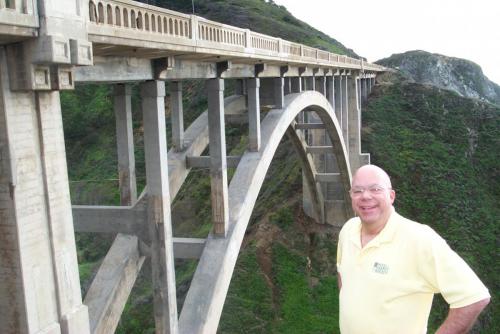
x: 372, y: 195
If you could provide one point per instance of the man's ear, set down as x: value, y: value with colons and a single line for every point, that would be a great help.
x: 392, y: 195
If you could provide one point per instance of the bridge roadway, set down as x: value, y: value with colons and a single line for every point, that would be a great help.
x: 46, y: 46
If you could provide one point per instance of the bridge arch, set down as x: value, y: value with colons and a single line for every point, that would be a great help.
x: 205, y: 299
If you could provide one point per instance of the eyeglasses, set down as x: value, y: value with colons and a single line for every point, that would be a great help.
x: 373, y: 190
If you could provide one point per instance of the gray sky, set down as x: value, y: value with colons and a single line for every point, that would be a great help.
x: 375, y: 29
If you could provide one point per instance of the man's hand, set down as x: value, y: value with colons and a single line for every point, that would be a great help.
x: 461, y: 319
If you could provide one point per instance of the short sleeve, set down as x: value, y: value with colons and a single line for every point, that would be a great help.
x: 449, y: 274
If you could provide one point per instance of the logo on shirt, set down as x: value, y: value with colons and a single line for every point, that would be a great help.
x: 380, y: 268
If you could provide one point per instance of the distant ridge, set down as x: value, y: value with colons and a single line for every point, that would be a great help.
x: 459, y: 75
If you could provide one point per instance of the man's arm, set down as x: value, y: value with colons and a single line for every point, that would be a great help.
x: 339, y: 280
x: 461, y: 319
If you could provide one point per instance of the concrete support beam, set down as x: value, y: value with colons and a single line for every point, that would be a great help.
x: 253, y: 86
x: 158, y: 214
x: 218, y: 163
x: 125, y: 144
x: 288, y: 85
x: 330, y: 91
x: 321, y: 84
x: 279, y: 92
x: 205, y: 161
x: 177, y: 115
x: 309, y: 126
x: 39, y: 285
x: 354, y: 123
x: 309, y: 83
x: 319, y: 149
x: 111, y: 287
x: 240, y: 87
x: 345, y: 108
x: 327, y: 177
x: 296, y: 84
x: 337, y: 83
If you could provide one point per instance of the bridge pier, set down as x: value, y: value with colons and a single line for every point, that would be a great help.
x: 253, y: 86
x: 40, y: 289
x: 177, y: 115
x: 158, y: 211
x: 345, y: 108
x: 218, y: 161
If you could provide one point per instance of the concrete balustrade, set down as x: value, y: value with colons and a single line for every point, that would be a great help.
x: 131, y: 15
x: 134, y: 15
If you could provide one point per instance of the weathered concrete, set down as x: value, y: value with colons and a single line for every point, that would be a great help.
x: 40, y: 290
x: 218, y: 163
x: 177, y: 115
x: 125, y: 143
x: 253, y: 86
x: 158, y: 198
x: 111, y: 287
x: 345, y: 108
x: 204, y: 301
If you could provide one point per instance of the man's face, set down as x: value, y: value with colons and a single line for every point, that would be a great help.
x: 372, y: 197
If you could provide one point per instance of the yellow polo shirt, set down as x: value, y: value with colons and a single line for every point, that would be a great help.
x: 388, y: 286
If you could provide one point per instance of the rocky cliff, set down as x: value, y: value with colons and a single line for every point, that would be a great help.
x: 459, y: 75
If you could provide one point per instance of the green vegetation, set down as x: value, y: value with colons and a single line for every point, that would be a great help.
x: 441, y: 151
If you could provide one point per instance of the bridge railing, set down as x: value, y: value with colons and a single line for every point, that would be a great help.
x: 126, y: 18
x: 132, y: 15
x: 18, y: 13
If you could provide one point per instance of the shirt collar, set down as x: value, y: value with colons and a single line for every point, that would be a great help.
x: 386, y: 235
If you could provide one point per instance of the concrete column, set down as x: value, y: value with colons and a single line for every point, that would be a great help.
x: 253, y: 114
x: 177, y: 115
x: 309, y: 83
x: 240, y: 87
x: 39, y: 282
x: 354, y: 123
x: 337, y: 82
x: 158, y: 212
x: 321, y: 84
x: 218, y: 162
x: 296, y: 84
x: 330, y: 91
x: 364, y: 90
x: 125, y: 144
x: 345, y: 109
x: 279, y: 92
x: 288, y: 85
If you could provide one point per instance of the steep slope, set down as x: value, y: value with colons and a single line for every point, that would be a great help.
x: 442, y: 153
x: 459, y: 75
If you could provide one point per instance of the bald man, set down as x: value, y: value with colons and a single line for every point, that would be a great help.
x: 389, y: 268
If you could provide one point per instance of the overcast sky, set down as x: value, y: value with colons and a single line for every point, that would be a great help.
x: 375, y: 29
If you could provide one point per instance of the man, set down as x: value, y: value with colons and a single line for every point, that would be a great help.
x: 389, y: 268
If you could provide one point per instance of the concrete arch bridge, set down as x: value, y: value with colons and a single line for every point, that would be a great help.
x: 46, y: 46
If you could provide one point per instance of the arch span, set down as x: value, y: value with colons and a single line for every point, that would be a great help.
x: 205, y: 299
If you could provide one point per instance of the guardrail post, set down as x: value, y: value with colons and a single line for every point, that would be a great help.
x: 194, y: 27
x: 248, y: 38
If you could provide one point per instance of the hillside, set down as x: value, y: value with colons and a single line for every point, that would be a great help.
x: 442, y: 153
x: 459, y: 75
x: 440, y: 149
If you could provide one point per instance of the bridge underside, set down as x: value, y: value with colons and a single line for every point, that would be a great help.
x: 311, y: 96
